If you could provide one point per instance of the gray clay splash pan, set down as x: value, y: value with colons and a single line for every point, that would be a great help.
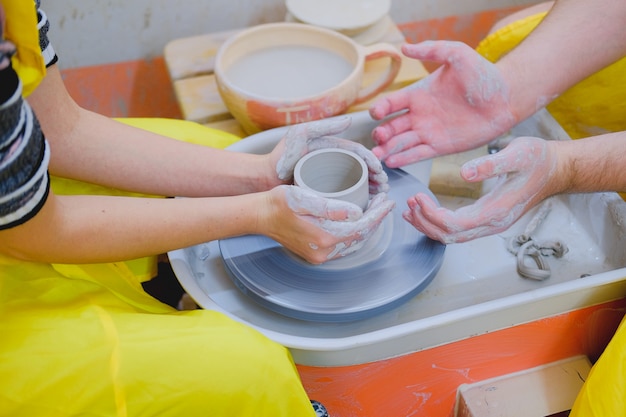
x: 395, y: 264
x: 476, y: 289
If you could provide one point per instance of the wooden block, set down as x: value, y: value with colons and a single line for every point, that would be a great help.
x: 193, y: 56
x: 199, y: 99
x: 393, y: 35
x: 542, y: 391
x: 366, y: 104
x: 445, y: 177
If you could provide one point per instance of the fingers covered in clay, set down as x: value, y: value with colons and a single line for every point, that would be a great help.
x: 304, y: 138
x: 325, y: 229
x: 460, y: 106
x: 297, y: 141
x: 521, y: 173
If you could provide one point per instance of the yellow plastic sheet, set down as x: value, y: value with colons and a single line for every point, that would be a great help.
x: 594, y: 106
x: 87, y: 340
x: 71, y: 347
x: 602, y: 395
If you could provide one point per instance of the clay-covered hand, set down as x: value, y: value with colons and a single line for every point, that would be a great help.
x: 306, y: 137
x: 320, y: 229
x: 460, y: 106
x: 526, y: 173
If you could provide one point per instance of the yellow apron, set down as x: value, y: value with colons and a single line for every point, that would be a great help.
x: 87, y: 340
x: 602, y: 394
x: 594, y: 106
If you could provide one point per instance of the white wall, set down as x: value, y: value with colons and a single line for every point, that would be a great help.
x: 92, y: 32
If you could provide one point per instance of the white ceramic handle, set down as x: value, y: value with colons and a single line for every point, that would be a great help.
x: 374, y: 52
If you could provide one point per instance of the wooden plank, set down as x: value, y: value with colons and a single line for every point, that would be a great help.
x: 195, y: 55
x: 199, y: 99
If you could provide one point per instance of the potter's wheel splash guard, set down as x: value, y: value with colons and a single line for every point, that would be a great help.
x: 396, y: 263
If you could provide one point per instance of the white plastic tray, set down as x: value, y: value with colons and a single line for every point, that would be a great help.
x: 477, y: 289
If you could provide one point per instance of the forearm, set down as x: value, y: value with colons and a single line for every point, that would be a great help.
x: 94, y: 148
x: 576, y: 39
x: 591, y: 164
x: 110, y: 153
x: 92, y: 229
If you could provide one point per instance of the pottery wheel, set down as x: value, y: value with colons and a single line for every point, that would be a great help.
x: 396, y: 263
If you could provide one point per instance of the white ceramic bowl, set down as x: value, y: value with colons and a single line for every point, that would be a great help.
x: 347, y: 16
x: 281, y: 74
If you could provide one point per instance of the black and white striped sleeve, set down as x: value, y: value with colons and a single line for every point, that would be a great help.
x: 43, y: 25
x: 24, y: 152
x: 24, y: 156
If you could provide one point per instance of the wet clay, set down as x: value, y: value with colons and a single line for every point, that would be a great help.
x: 289, y: 71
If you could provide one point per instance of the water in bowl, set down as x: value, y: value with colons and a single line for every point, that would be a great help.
x: 289, y: 71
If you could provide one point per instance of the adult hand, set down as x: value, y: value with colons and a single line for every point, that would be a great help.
x: 320, y: 229
x: 306, y: 137
x: 460, y: 106
x: 526, y: 170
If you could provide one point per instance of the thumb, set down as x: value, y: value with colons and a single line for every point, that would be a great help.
x: 297, y: 137
x: 434, y: 51
x: 305, y: 202
x: 487, y: 166
x: 326, y: 127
